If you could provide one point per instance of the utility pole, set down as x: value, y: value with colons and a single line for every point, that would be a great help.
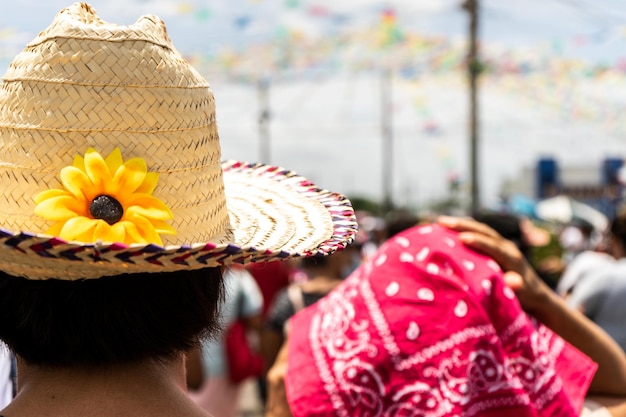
x: 473, y: 69
x: 264, y: 120
x: 387, y: 138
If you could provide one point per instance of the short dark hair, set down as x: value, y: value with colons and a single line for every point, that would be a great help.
x: 507, y: 225
x: 399, y: 221
x: 314, y: 262
x: 618, y: 228
x: 111, y: 320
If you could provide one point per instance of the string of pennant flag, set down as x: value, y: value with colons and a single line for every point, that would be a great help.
x: 573, y: 88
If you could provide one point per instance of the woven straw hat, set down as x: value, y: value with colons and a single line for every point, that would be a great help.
x: 110, y: 163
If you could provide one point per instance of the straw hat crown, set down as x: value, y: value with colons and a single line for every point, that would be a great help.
x: 110, y: 163
x: 85, y: 83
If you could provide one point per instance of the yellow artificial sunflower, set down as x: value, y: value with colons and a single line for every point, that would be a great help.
x: 106, y: 199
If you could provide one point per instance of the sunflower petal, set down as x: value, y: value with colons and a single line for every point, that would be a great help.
x: 129, y: 176
x: 132, y: 233
x: 146, y: 229
x: 79, y: 162
x: 60, y: 208
x: 114, y: 160
x: 149, y: 183
x: 109, y: 233
x: 55, y: 229
x: 96, y: 169
x: 163, y: 227
x: 44, y: 195
x: 76, y: 182
x: 149, y: 207
x: 79, y: 228
x: 119, y: 232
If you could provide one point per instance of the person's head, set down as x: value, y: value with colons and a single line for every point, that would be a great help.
x: 398, y: 221
x: 426, y: 327
x: 507, y: 225
x: 116, y: 204
x: 585, y: 228
x: 519, y: 230
x: 111, y: 320
x: 617, y: 236
x: 337, y: 265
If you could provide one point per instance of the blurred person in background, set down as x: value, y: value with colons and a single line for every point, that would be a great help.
x: 217, y: 393
x: 432, y: 326
x: 399, y: 220
x: 271, y: 278
x: 323, y: 275
x: 576, y: 237
x: 585, y: 263
x: 373, y: 228
x: 600, y: 290
x: 529, y: 239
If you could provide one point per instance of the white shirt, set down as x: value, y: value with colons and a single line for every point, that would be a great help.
x: 6, y: 382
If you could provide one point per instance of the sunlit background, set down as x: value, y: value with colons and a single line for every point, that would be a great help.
x: 311, y: 85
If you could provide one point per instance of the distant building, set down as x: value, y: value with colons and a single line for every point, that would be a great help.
x: 599, y: 185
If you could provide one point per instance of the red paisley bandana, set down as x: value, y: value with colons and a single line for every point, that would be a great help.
x: 427, y: 327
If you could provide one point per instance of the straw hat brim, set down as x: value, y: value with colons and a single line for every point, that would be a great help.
x: 275, y: 214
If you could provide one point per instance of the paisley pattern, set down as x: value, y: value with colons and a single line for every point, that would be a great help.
x: 427, y: 328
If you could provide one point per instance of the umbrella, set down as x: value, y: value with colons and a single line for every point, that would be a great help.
x: 565, y: 209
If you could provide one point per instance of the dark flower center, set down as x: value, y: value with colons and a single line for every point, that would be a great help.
x: 106, y: 208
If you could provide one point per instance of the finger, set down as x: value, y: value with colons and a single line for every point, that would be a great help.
x: 504, y: 252
x: 464, y: 224
x: 513, y: 280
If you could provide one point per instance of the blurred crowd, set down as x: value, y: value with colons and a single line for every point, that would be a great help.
x: 261, y: 278
x: 580, y: 264
x: 272, y: 293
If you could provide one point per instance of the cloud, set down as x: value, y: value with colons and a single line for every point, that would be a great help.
x: 425, y: 6
x: 128, y: 11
